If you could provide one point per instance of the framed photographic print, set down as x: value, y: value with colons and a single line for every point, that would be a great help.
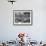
x: 22, y: 17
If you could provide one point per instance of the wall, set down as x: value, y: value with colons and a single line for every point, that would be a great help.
x: 37, y: 31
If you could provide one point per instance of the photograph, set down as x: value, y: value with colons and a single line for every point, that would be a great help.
x: 22, y: 16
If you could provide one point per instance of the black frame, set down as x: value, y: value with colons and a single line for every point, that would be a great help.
x: 24, y: 24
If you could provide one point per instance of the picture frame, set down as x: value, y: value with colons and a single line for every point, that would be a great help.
x: 22, y: 17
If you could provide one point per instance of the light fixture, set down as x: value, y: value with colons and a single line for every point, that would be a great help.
x: 12, y: 1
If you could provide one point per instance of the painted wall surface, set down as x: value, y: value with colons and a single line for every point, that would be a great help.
x: 37, y: 31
